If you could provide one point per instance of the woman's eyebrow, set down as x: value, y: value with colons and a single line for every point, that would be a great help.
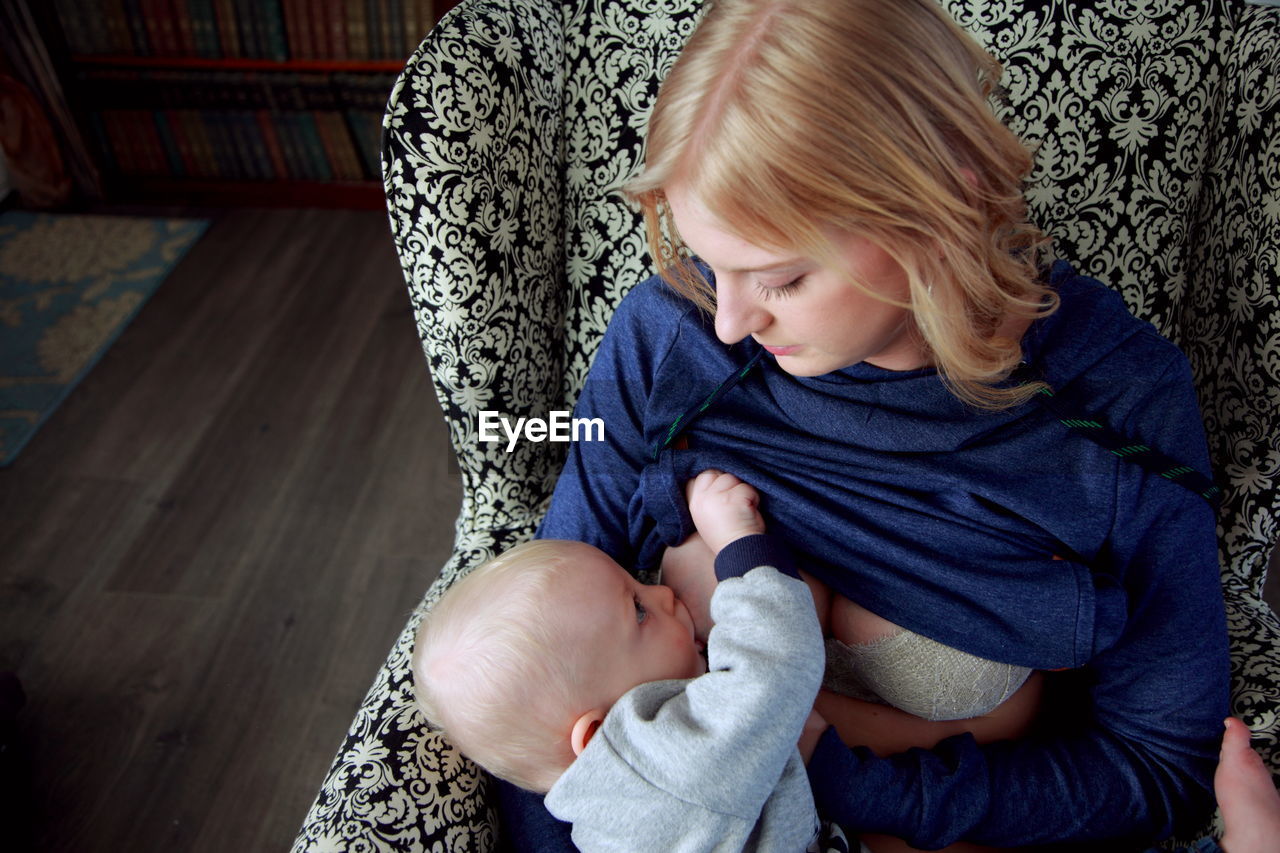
x: 790, y: 264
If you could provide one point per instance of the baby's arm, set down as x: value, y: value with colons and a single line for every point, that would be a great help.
x: 725, y: 510
x: 713, y: 759
x: 725, y: 507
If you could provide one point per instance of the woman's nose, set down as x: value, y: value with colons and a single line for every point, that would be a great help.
x: 738, y: 313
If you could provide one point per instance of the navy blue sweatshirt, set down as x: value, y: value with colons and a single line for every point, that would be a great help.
x: 946, y: 520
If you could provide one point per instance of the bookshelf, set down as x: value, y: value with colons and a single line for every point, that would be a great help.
x: 239, y: 101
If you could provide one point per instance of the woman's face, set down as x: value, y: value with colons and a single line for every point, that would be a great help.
x: 813, y: 318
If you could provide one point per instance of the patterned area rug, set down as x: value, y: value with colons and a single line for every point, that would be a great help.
x: 68, y: 287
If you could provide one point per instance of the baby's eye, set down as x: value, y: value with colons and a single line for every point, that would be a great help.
x: 641, y: 613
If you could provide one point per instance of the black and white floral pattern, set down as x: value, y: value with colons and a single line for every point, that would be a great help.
x: 1158, y: 132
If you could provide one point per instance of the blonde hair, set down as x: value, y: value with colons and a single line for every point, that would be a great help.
x: 796, y: 121
x: 494, y: 668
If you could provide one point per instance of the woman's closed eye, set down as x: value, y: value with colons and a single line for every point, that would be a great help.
x: 768, y: 291
x: 641, y: 613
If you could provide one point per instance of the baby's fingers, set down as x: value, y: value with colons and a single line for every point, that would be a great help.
x: 709, y: 482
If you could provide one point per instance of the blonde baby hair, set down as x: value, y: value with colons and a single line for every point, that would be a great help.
x: 493, y: 669
x: 798, y: 121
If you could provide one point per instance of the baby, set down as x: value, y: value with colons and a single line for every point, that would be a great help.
x: 553, y: 668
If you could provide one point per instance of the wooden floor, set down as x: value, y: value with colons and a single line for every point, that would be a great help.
x: 210, y: 547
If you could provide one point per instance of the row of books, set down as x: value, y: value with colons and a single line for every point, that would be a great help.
x: 239, y: 125
x: 277, y: 30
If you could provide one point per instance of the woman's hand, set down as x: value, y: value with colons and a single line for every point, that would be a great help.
x: 723, y: 508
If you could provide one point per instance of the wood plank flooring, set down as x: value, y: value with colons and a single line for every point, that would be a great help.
x: 209, y: 549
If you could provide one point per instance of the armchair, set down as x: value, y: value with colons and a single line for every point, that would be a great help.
x: 1159, y: 173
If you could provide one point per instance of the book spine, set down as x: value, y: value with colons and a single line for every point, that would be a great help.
x: 271, y: 20
x: 219, y: 144
x: 366, y: 32
x: 206, y: 23
x: 192, y: 12
x: 146, y: 12
x: 167, y: 26
x: 75, y: 31
x: 150, y: 151
x: 228, y: 29
x: 374, y: 9
x: 315, y: 22
x: 95, y: 34
x: 182, y: 142
x: 294, y: 145
x: 274, y: 101
x: 255, y: 151
x: 350, y: 97
x: 366, y: 129
x: 168, y: 139
x: 98, y: 132
x: 205, y: 163
x: 297, y: 30
x: 323, y: 130
x: 116, y: 149
x: 336, y: 31
x: 415, y: 26
x: 137, y: 23
x: 248, y: 101
x: 316, y: 98
x: 189, y: 28
x: 347, y: 161
x: 158, y: 96
x: 103, y: 89
x: 369, y: 102
x: 392, y: 28
x: 244, y: 25
x: 287, y: 96
x: 271, y: 140
x: 184, y: 28
x: 117, y: 28
x: 206, y: 91
x: 357, y: 30
x: 225, y: 103
x: 342, y: 150
x: 309, y: 136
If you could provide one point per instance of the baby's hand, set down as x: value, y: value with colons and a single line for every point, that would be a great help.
x: 723, y: 508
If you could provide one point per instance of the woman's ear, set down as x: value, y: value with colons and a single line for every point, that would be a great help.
x: 584, y: 729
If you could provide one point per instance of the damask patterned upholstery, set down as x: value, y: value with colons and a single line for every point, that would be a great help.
x: 1159, y: 172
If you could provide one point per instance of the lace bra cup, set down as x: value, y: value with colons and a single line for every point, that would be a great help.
x: 920, y: 676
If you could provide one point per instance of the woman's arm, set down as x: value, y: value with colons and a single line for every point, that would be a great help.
x: 1138, y: 760
x: 595, y: 499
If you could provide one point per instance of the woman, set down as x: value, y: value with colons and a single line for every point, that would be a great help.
x: 856, y: 214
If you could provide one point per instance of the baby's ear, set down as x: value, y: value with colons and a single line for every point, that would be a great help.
x: 585, y: 728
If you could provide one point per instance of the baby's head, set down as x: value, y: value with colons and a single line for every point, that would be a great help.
x: 520, y: 660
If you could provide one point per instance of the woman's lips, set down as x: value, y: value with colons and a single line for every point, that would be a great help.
x: 787, y: 350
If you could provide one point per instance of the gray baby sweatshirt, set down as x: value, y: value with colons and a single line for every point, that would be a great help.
x: 710, y: 764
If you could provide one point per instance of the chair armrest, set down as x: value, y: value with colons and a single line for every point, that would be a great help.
x: 472, y: 166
